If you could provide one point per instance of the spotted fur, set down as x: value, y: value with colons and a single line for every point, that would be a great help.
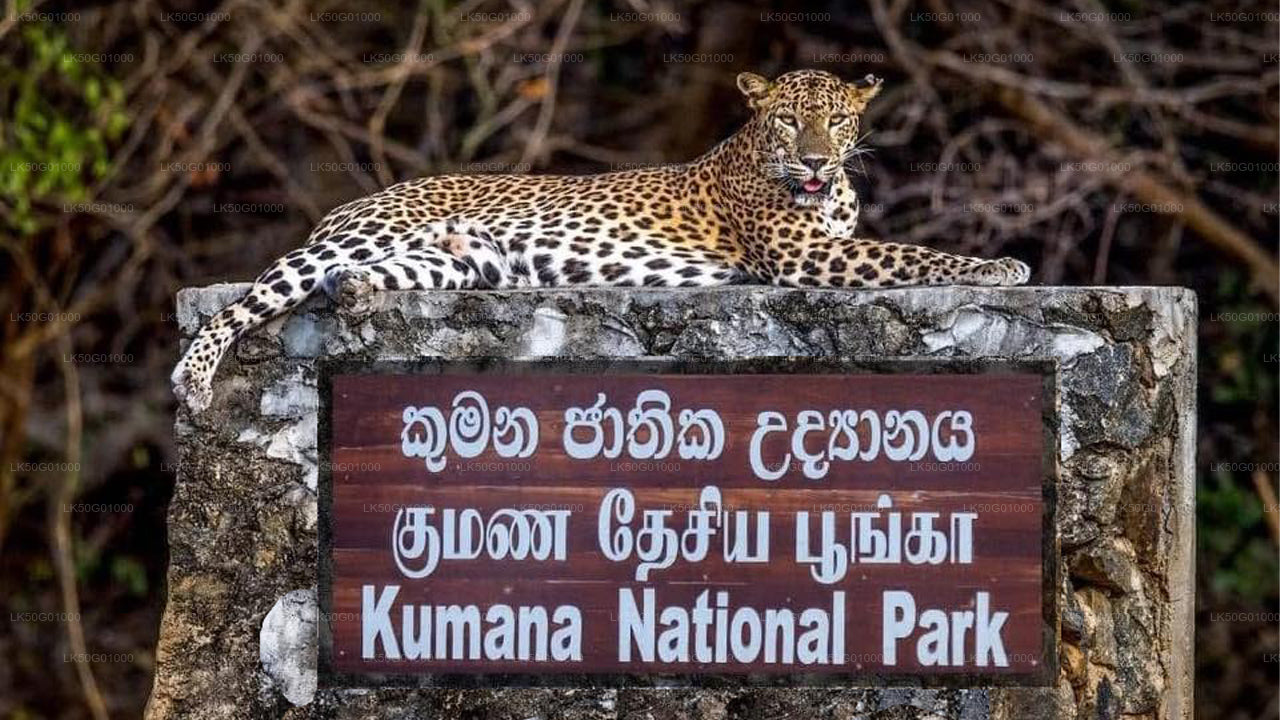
x: 771, y: 204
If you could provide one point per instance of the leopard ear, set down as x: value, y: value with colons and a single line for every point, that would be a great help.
x: 756, y: 88
x: 862, y: 91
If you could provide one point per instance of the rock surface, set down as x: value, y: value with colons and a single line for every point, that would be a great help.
x: 237, y: 635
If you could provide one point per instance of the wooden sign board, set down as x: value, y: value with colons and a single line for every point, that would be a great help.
x: 532, y: 523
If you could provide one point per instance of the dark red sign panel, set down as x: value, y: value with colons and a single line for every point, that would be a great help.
x: 536, y: 522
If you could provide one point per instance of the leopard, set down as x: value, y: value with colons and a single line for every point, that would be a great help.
x: 772, y: 204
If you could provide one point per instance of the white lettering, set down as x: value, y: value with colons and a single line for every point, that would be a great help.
x: 945, y: 637
x: 721, y: 634
x: 459, y: 633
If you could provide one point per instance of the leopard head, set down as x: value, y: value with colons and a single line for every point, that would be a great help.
x: 807, y: 123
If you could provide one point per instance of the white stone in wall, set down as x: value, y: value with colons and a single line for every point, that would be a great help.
x: 287, y: 646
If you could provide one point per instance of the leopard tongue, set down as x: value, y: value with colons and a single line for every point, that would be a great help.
x: 813, y: 185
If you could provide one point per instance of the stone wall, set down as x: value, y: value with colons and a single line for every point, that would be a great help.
x: 239, y: 630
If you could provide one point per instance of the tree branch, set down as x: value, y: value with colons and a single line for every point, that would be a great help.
x: 1047, y: 123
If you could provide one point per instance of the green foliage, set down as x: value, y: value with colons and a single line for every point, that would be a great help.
x: 1239, y: 376
x: 1241, y: 558
x: 60, y: 113
x: 127, y: 572
x: 1244, y: 349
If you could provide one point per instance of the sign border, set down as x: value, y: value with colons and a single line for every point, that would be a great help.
x: 1046, y: 676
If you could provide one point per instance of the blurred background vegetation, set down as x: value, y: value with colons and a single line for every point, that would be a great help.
x: 146, y: 146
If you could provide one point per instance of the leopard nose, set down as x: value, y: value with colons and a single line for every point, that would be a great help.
x: 814, y: 162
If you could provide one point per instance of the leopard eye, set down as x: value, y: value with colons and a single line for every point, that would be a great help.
x: 787, y: 121
x: 838, y: 120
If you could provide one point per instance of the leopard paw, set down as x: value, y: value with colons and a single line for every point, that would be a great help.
x: 1001, y: 272
x: 352, y: 287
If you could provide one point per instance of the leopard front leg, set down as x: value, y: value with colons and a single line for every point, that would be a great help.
x: 862, y: 263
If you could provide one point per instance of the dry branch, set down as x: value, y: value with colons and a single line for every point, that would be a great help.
x: 61, y: 544
x: 1146, y: 186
